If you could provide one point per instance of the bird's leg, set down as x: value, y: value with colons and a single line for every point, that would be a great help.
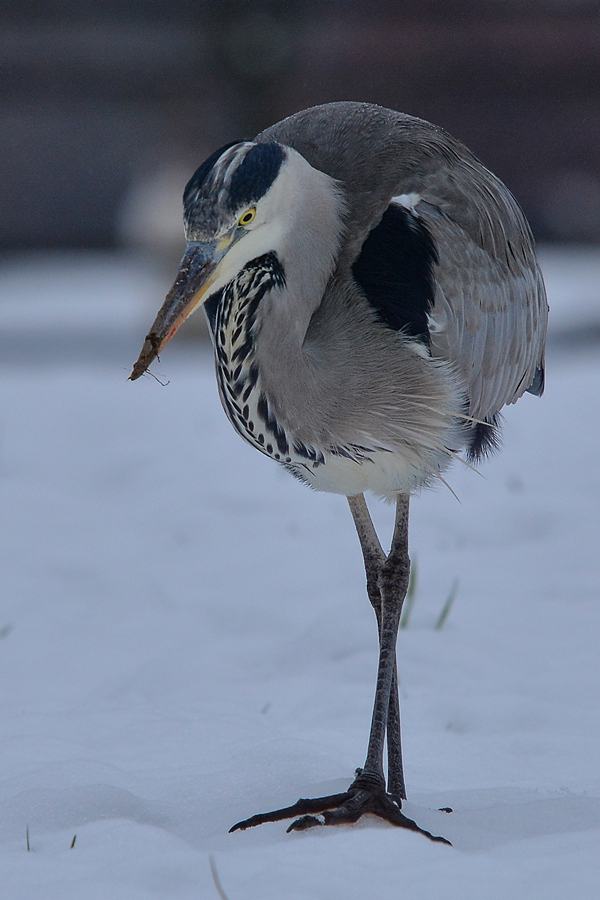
x: 395, y: 574
x: 395, y: 782
x: 393, y: 583
x: 374, y: 559
x: 387, y: 583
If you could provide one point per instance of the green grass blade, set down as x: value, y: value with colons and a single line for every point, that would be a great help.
x: 441, y: 619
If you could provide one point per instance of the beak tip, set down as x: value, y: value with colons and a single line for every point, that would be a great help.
x: 144, y: 360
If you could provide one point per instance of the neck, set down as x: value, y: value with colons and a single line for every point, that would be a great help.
x: 261, y: 318
x: 232, y: 315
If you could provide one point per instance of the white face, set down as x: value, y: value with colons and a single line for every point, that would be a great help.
x: 298, y: 218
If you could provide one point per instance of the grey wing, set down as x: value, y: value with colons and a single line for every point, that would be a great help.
x: 490, y: 313
x: 489, y: 317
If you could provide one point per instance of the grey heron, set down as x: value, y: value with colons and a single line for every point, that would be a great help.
x: 374, y: 301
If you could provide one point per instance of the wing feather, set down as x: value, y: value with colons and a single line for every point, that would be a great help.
x: 489, y: 317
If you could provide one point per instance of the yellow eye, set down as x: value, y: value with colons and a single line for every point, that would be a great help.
x: 247, y: 217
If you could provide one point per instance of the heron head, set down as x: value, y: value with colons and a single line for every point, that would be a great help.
x: 245, y: 200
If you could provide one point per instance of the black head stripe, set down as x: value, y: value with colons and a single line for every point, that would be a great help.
x: 255, y: 174
x: 194, y: 186
x: 234, y: 177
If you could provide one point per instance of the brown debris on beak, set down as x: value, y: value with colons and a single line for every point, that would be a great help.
x: 197, y: 271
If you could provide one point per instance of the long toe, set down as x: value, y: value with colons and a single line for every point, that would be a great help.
x: 302, y: 808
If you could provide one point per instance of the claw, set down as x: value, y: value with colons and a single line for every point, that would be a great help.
x: 303, y: 823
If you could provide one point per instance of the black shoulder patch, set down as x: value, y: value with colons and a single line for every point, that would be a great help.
x: 255, y: 174
x: 196, y: 182
x: 395, y: 271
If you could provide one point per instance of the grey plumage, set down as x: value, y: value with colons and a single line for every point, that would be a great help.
x: 374, y: 300
x: 490, y: 313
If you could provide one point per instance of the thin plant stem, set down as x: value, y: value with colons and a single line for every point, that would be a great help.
x: 216, y: 879
x: 441, y: 619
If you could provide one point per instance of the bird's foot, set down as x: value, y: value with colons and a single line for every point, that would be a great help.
x: 366, y: 794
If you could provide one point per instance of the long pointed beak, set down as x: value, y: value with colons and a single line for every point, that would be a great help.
x: 197, y: 271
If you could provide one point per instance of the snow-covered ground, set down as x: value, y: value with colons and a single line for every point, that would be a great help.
x: 185, y: 637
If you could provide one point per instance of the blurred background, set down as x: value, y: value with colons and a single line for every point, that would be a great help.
x: 108, y: 107
x: 182, y: 626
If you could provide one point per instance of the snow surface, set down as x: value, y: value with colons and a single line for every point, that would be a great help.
x: 185, y: 638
